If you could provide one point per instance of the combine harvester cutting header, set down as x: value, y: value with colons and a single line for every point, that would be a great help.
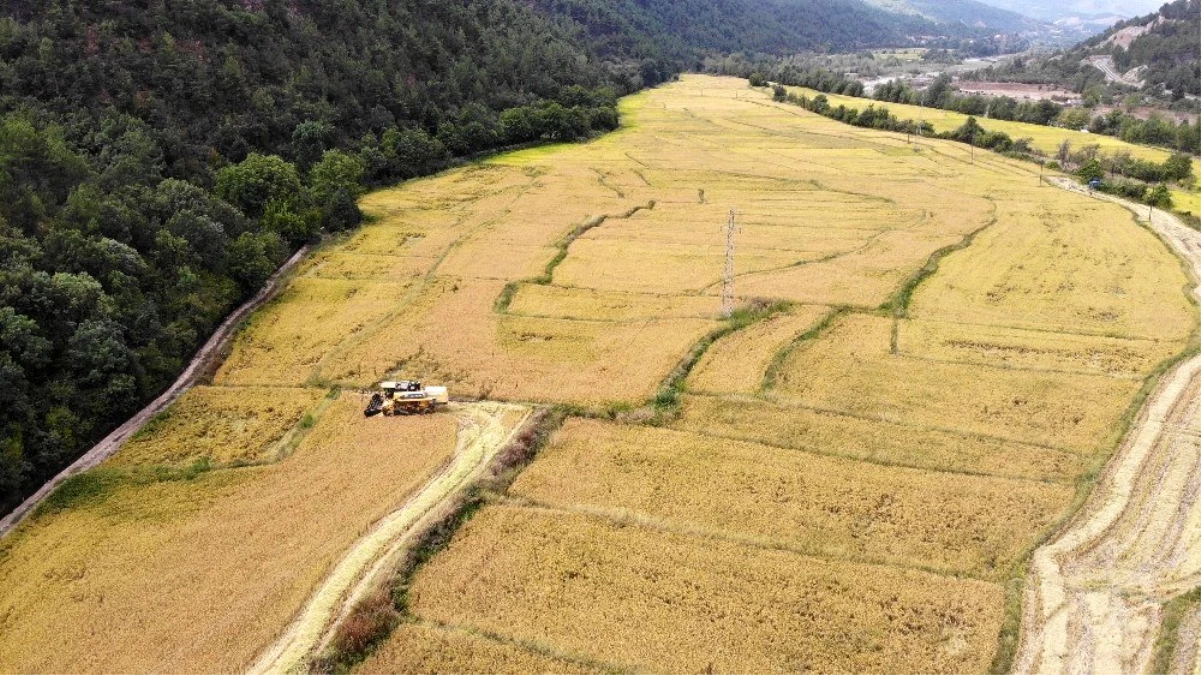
x: 406, y: 397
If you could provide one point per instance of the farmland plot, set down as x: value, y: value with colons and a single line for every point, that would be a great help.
x: 219, y: 425
x: 738, y: 363
x: 852, y: 369
x: 875, y: 440
x: 147, y: 575
x: 422, y: 648
x: 944, y: 437
x: 866, y: 491
x: 784, y: 498
x: 643, y: 600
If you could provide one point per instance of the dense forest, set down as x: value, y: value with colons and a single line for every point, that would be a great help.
x: 158, y: 160
x: 683, y: 29
x: 968, y: 13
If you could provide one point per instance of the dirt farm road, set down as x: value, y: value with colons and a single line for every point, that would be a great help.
x: 203, y: 359
x: 373, y: 557
x: 1094, y: 595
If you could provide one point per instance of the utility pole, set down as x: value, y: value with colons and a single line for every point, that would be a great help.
x: 727, y: 281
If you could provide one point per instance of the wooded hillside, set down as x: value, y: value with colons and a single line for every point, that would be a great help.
x: 160, y: 158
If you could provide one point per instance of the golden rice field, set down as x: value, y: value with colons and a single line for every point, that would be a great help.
x: 832, y: 496
x: 198, y: 575
x: 424, y: 648
x: 1046, y: 139
x: 738, y: 363
x: 937, y: 440
x: 852, y: 369
x: 557, y: 302
x: 837, y: 433
x: 827, y: 506
x: 219, y: 425
x: 644, y: 600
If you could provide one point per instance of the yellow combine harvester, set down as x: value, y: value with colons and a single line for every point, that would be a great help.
x: 406, y: 397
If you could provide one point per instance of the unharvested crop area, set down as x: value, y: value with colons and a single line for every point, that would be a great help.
x: 833, y: 507
x: 851, y: 481
x: 152, y: 574
x: 220, y: 425
x: 649, y: 600
x: 854, y: 482
x: 1044, y: 138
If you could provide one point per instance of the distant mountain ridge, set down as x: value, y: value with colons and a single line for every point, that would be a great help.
x: 967, y: 12
x: 687, y: 28
x: 1079, y: 18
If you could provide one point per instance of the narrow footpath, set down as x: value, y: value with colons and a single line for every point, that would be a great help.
x: 369, y: 561
x: 199, y: 365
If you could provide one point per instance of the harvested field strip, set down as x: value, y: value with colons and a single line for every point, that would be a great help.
x: 362, y: 568
x: 672, y: 603
x: 822, y: 506
x: 874, y: 440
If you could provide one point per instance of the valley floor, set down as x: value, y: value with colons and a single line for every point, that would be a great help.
x: 853, y: 482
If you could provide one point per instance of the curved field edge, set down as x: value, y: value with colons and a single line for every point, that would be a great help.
x: 199, y: 369
x: 360, y: 568
x: 383, y: 606
x: 1020, y: 626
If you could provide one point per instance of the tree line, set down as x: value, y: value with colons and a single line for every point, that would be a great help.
x: 1128, y: 176
x: 1156, y: 130
x: 159, y: 160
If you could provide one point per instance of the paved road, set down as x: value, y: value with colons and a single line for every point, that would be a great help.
x: 1106, y: 65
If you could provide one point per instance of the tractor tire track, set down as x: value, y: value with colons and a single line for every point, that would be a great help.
x: 1094, y: 596
x: 369, y: 561
x: 204, y: 359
